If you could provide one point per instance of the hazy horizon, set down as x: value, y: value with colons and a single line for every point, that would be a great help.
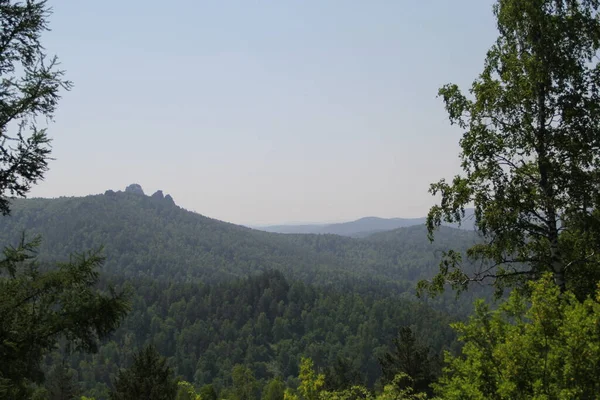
x: 263, y: 114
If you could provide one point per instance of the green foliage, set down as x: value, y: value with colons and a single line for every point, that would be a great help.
x: 149, y: 377
x: 409, y: 358
x: 207, y: 392
x: 547, y: 350
x: 343, y: 374
x: 530, y: 151
x: 186, y: 391
x: 352, y: 393
x: 398, y: 389
x: 311, y: 388
x: 273, y: 390
x: 265, y: 323
x: 310, y: 382
x: 60, y: 383
x: 40, y: 305
x: 245, y: 386
x: 30, y: 86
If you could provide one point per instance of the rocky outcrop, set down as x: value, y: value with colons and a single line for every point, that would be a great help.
x: 135, y: 189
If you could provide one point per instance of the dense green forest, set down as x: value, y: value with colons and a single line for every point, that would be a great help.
x: 265, y: 323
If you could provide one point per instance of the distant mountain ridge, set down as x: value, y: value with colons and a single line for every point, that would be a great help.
x: 362, y: 227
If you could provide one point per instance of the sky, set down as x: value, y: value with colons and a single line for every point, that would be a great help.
x: 263, y: 112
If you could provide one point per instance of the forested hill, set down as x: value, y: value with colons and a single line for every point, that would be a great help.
x: 150, y: 236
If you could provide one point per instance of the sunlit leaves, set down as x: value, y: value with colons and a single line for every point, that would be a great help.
x: 543, y: 348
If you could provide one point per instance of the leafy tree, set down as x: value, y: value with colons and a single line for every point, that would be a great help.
x: 245, y: 386
x: 411, y: 359
x: 29, y: 89
x: 274, y: 390
x: 186, y: 391
x: 393, y: 391
x: 530, y: 151
x: 547, y: 350
x: 208, y: 392
x: 311, y: 382
x: 149, y: 377
x: 37, y: 309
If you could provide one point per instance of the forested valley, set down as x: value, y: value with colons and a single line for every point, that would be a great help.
x: 495, y: 294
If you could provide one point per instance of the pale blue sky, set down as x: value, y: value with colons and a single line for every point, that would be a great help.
x: 261, y: 112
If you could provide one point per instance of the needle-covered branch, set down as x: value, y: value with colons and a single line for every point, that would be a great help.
x: 39, y: 306
x: 30, y: 87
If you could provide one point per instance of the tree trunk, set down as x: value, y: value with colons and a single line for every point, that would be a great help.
x: 547, y: 188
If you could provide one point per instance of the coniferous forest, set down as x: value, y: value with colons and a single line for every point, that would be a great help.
x: 124, y: 295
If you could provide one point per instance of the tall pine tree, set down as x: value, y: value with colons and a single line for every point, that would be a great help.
x: 149, y: 377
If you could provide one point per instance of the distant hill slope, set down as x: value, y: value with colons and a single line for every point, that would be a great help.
x: 368, y: 225
x: 362, y: 227
x: 151, y: 237
x: 291, y: 229
x: 359, y: 228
